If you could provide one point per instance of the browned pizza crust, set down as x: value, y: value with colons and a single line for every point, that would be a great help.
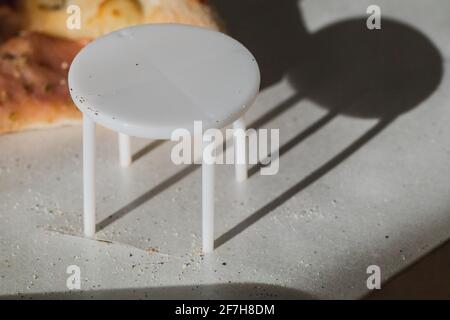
x: 102, y: 16
x: 10, y: 22
x: 33, y: 85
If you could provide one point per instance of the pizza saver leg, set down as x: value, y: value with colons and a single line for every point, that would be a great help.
x: 89, y: 176
x: 240, y: 150
x: 208, y: 163
x: 124, y: 150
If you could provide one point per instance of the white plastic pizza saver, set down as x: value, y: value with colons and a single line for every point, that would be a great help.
x: 149, y: 80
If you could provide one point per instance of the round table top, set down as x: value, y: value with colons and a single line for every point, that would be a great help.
x: 149, y: 80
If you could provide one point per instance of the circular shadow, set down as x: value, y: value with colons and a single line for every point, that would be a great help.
x: 368, y: 73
